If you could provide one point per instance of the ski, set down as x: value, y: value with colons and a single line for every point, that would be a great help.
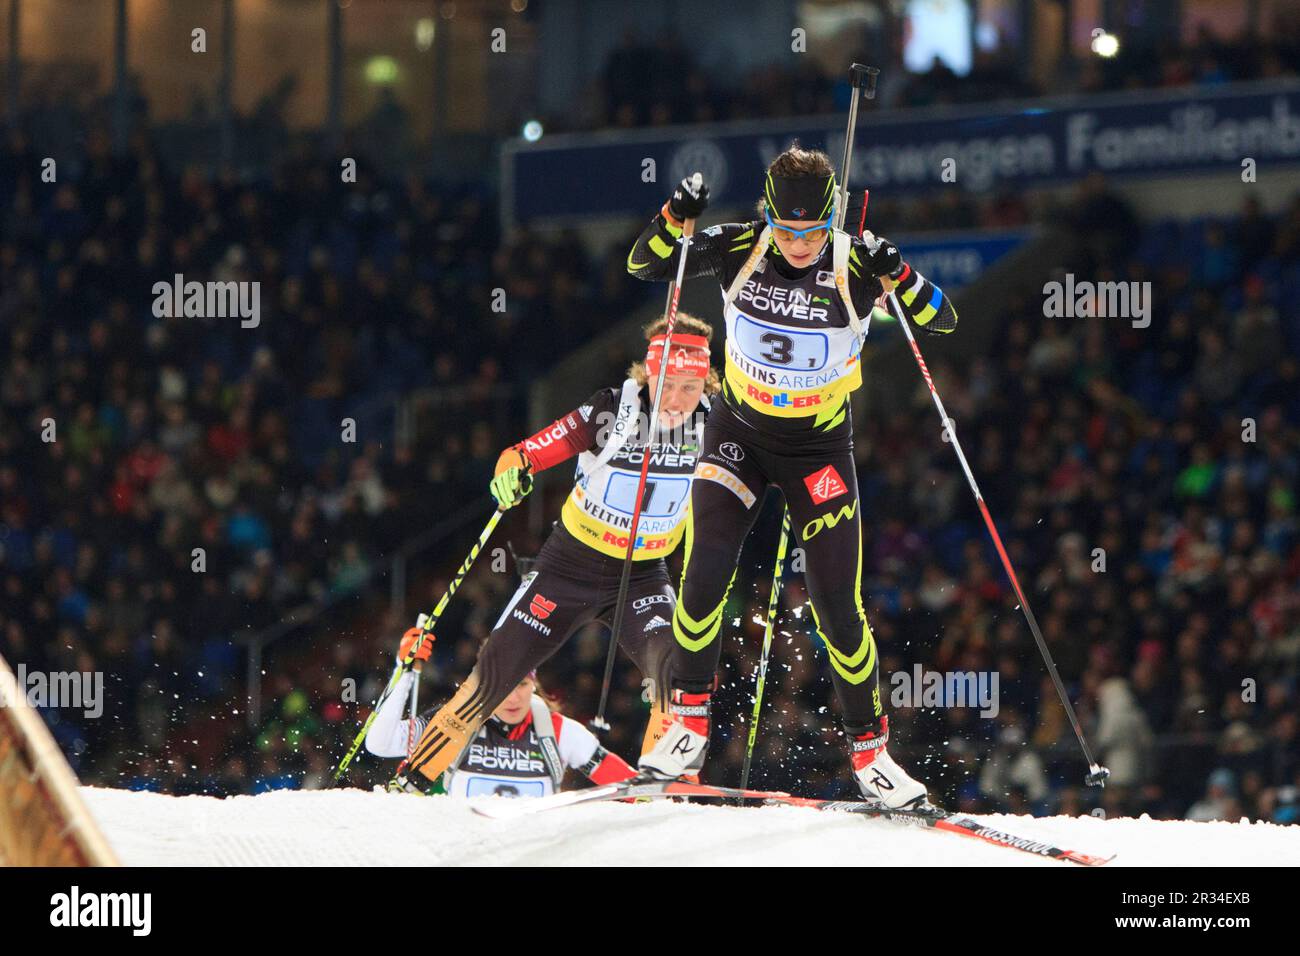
x: 931, y: 817
x: 634, y: 789
x: 938, y: 819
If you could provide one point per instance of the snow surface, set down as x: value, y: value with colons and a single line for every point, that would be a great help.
x: 351, y: 827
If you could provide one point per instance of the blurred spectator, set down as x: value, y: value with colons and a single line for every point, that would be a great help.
x: 1123, y: 738
x: 1220, y: 801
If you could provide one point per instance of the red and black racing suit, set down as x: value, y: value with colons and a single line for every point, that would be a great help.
x: 575, y: 580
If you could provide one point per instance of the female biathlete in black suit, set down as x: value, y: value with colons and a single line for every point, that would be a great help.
x: 796, y: 300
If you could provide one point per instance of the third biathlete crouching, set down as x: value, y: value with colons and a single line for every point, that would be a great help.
x: 522, y: 750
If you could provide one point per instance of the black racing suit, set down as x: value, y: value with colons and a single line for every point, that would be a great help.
x: 783, y: 419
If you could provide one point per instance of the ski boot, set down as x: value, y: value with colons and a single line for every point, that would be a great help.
x: 413, y: 782
x: 680, y: 751
x: 878, y: 776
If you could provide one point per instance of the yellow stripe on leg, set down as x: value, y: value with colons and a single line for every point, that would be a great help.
x: 858, y: 666
x: 692, y: 634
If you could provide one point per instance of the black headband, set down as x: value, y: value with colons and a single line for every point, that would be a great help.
x: 800, y: 198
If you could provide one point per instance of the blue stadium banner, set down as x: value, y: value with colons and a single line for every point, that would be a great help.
x: 953, y: 263
x: 575, y: 176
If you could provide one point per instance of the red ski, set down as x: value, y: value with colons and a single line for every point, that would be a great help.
x: 929, y: 817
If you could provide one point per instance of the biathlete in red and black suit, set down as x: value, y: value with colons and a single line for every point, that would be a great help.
x: 576, y: 578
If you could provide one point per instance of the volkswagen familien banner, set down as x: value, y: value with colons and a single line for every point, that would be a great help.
x: 628, y: 173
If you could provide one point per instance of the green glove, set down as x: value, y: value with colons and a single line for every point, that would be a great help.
x: 511, y: 487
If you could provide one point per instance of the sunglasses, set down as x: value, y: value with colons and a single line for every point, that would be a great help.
x: 786, y: 234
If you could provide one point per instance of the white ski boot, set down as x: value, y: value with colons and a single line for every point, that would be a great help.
x: 879, y: 777
x: 680, y: 751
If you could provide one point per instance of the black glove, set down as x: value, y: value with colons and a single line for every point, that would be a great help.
x: 882, y: 255
x: 690, y: 198
x: 883, y: 258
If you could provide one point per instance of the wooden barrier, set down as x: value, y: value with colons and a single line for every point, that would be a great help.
x: 43, y: 821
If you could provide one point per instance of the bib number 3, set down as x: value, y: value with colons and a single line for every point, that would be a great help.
x: 792, y: 349
x: 780, y: 348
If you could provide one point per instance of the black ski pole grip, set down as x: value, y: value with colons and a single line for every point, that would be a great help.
x: 864, y: 77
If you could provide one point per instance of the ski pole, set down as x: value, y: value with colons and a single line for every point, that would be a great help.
x: 415, y: 710
x: 1097, y: 774
x: 426, y: 624
x: 616, y: 628
x: 861, y: 78
x: 767, y: 647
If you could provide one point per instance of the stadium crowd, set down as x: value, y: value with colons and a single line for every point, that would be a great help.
x: 129, y: 439
x: 660, y: 81
x: 171, y: 434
